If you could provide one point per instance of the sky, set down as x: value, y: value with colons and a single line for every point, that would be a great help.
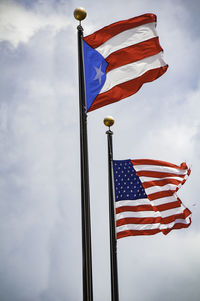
x: 40, y: 200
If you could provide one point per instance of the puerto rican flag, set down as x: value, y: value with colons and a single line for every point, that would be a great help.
x: 120, y: 58
x: 146, y: 198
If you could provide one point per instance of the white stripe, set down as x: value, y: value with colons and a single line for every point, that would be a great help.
x: 154, y: 189
x: 177, y: 221
x: 132, y: 203
x: 165, y: 200
x: 127, y: 38
x: 149, y: 179
x: 137, y: 227
x: 152, y: 226
x: 138, y: 214
x: 173, y: 211
x: 161, y: 169
x: 157, y: 202
x: 152, y: 214
x: 131, y: 71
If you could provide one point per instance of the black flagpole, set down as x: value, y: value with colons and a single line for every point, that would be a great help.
x: 109, y: 121
x: 80, y: 15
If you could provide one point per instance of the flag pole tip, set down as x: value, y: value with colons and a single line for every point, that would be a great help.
x: 109, y: 121
x: 80, y: 13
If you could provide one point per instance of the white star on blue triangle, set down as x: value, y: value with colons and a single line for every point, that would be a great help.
x: 99, y: 74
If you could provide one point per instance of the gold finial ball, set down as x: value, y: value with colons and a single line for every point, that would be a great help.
x: 80, y: 13
x: 109, y: 121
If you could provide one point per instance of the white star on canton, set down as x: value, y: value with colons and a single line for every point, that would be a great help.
x: 99, y: 74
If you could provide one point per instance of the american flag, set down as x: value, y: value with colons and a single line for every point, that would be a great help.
x: 145, y: 197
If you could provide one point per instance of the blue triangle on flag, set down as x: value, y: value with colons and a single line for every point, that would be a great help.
x: 95, y: 73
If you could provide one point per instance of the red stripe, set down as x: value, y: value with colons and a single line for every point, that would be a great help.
x: 126, y: 89
x: 160, y: 194
x: 152, y: 220
x: 136, y: 232
x: 104, y: 34
x: 161, y: 182
x: 176, y: 226
x: 157, y: 174
x: 151, y: 232
x: 168, y: 206
x: 158, y: 163
x: 133, y: 53
x: 170, y: 219
x: 138, y: 220
x: 134, y: 208
x: 162, y: 207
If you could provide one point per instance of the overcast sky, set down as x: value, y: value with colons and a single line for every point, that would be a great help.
x: 40, y: 208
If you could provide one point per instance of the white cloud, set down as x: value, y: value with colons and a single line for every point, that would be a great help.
x: 18, y: 24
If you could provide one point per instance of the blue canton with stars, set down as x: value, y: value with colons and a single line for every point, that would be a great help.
x: 127, y: 184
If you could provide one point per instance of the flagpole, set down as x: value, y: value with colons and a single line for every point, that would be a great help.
x: 80, y: 14
x: 109, y: 121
